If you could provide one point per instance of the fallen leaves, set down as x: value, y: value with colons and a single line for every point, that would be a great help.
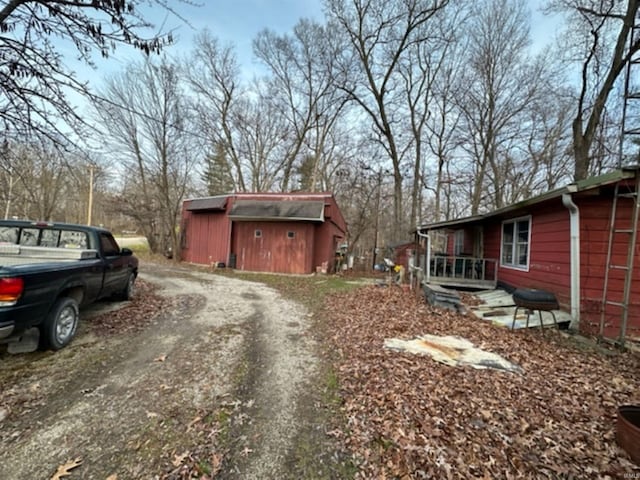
x: 136, y: 315
x: 178, y: 459
x: 193, y: 422
x: 64, y: 470
x: 410, y: 417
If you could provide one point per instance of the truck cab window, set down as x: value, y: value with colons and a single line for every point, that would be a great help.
x: 29, y: 237
x: 8, y: 235
x: 109, y: 245
x: 71, y: 239
x: 49, y: 238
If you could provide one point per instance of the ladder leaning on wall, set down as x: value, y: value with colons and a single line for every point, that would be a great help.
x: 629, y: 137
x: 625, y: 235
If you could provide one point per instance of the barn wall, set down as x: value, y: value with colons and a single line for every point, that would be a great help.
x: 273, y: 251
x: 329, y: 235
x: 206, y: 237
x: 326, y: 244
x: 210, y: 236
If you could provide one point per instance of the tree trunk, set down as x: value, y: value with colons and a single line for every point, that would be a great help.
x: 580, y: 152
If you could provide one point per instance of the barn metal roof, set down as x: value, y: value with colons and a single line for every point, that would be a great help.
x: 277, y: 210
x: 209, y: 203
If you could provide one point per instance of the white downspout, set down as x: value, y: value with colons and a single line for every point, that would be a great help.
x: 427, y: 273
x: 574, y: 217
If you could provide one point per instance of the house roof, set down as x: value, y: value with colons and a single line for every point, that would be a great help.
x: 576, y: 187
x: 278, y: 210
x: 208, y: 203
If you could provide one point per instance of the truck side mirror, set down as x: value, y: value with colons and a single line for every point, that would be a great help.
x: 126, y: 252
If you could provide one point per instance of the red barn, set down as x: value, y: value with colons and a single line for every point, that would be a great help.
x: 579, y: 242
x: 263, y: 232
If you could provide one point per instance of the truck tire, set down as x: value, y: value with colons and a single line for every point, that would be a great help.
x: 130, y: 288
x: 61, y: 324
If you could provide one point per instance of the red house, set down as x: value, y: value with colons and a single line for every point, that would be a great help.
x: 263, y: 232
x: 579, y: 242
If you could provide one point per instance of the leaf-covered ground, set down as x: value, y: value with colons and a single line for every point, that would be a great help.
x: 408, y: 416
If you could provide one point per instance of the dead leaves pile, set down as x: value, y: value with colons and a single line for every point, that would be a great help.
x: 410, y: 417
x: 140, y: 312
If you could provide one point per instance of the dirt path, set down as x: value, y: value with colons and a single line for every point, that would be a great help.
x: 133, y: 406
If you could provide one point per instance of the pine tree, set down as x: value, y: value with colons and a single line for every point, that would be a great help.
x: 217, y: 174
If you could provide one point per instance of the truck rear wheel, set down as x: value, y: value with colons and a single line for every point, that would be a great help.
x: 61, y: 324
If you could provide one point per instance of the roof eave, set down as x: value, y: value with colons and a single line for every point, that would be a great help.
x: 580, y: 186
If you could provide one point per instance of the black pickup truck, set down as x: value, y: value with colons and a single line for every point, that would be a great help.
x: 48, y: 270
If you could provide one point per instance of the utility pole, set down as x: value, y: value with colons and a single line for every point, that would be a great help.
x: 90, y: 209
x: 8, y: 209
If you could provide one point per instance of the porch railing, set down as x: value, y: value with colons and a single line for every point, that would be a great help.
x: 462, y: 271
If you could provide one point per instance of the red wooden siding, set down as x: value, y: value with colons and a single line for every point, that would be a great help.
x: 206, y: 237
x: 328, y: 238
x: 209, y: 236
x: 549, y: 252
x: 273, y: 251
x: 594, y: 234
x: 550, y: 263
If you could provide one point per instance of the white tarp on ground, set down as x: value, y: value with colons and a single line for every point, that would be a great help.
x: 453, y: 351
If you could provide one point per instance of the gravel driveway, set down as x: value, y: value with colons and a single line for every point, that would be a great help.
x: 217, y: 379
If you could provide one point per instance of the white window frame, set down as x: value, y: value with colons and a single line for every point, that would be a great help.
x: 514, y: 245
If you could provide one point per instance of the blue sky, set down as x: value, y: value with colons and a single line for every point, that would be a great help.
x: 238, y: 22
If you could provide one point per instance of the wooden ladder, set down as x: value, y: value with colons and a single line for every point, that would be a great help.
x: 631, y: 236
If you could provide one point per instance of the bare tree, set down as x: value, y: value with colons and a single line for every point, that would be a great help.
x: 144, y: 119
x: 34, y: 76
x: 599, y: 36
x: 302, y: 69
x: 443, y: 138
x: 36, y: 176
x: 429, y: 74
x: 419, y: 71
x: 264, y: 137
x: 379, y: 34
x: 213, y: 75
x: 548, y: 145
x: 503, y: 81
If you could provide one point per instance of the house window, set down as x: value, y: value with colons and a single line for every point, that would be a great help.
x: 516, y: 236
x: 291, y: 234
x: 458, y: 242
x: 258, y: 233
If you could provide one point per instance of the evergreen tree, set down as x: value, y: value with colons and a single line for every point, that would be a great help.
x: 217, y: 174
